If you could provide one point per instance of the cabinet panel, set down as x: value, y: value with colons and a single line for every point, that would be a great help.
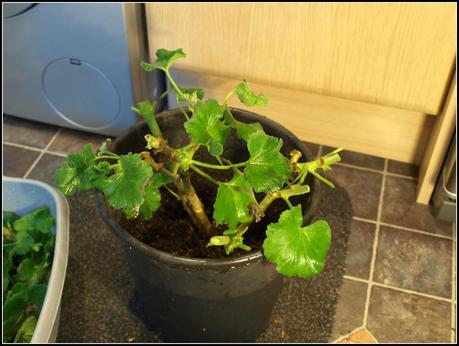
x: 394, y: 54
x: 388, y: 132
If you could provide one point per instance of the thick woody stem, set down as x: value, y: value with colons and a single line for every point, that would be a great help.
x: 192, y: 204
x: 186, y: 194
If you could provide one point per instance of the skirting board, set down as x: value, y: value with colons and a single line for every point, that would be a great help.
x: 377, y: 130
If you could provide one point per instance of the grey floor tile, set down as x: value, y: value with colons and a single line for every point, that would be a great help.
x: 396, y: 316
x: 16, y: 161
x: 414, y: 261
x: 400, y: 208
x: 360, y: 249
x: 363, y: 187
x: 45, y: 169
x: 68, y: 141
x: 27, y: 132
x: 403, y: 168
x: 358, y: 159
x: 314, y: 148
x: 350, y: 308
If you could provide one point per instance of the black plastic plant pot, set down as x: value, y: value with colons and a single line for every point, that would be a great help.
x: 204, y: 300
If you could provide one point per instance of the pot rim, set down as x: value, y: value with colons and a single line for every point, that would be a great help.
x: 251, y: 256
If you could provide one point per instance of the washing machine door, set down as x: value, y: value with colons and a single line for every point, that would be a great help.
x: 16, y: 9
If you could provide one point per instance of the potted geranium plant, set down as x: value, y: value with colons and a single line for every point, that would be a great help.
x: 159, y: 183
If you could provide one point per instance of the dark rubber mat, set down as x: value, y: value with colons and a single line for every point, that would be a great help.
x: 99, y: 302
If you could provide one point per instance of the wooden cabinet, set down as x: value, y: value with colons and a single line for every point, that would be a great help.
x: 394, y: 54
x: 367, y: 76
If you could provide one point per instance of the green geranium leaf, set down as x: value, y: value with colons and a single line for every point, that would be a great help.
x: 205, y: 126
x: 37, y: 295
x: 160, y: 179
x: 31, y: 273
x: 243, y: 130
x: 152, y: 201
x: 6, y: 279
x: 296, y: 250
x: 9, y: 218
x: 25, y: 332
x: 145, y: 109
x: 268, y: 170
x: 124, y: 188
x: 48, y: 246
x: 232, y: 203
x: 14, y: 311
x: 72, y: 174
x: 192, y: 95
x: 40, y: 219
x: 152, y: 196
x: 247, y: 96
x: 25, y: 270
x: 24, y: 243
x: 164, y: 59
x: 18, y: 289
x: 95, y: 175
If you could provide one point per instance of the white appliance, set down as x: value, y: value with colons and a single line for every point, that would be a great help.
x: 75, y: 64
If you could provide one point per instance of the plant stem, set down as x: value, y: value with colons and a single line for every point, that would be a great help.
x: 177, y: 89
x: 107, y: 157
x: 181, y: 107
x: 153, y: 124
x: 293, y: 190
x: 225, y: 102
x: 193, y: 205
x: 205, y: 175
x: 288, y: 203
x: 322, y: 179
x: 157, y: 167
x: 171, y: 192
x: 208, y: 165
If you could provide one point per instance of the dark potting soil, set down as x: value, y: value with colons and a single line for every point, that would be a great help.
x: 171, y: 230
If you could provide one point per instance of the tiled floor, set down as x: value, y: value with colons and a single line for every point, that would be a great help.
x: 400, y: 271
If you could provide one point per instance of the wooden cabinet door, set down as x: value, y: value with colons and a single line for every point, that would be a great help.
x: 394, y: 54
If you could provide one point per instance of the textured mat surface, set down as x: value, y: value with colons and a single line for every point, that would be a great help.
x: 99, y: 302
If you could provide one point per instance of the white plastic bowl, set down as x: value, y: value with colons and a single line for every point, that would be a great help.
x: 23, y: 196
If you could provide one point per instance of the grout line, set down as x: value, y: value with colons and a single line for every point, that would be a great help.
x: 376, y: 171
x: 363, y: 219
x: 348, y: 335
x: 42, y: 153
x: 371, y: 334
x: 407, y: 177
x: 350, y: 165
x: 404, y: 290
x: 375, y: 243
x: 395, y: 288
x: 402, y: 228
x: 22, y: 146
x: 354, y: 278
x: 56, y: 153
x: 416, y: 231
